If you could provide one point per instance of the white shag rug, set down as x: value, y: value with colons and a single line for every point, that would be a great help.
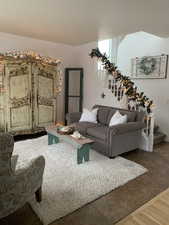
x: 68, y: 186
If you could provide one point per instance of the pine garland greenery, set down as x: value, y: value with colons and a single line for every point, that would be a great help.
x: 141, y: 100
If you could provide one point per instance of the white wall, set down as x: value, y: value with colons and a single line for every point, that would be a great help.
x: 93, y: 86
x: 137, y: 44
x: 144, y: 44
x: 64, y: 52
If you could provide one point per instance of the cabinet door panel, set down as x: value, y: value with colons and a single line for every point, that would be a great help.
x: 2, y: 94
x: 45, y: 105
x: 19, y: 110
x: 45, y: 87
x: 2, y: 120
x: 19, y: 86
x: 20, y: 117
x: 45, y: 114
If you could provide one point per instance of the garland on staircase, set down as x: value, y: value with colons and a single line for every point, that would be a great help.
x: 126, y: 85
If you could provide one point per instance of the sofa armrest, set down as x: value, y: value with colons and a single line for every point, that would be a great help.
x: 73, y: 117
x: 126, y: 128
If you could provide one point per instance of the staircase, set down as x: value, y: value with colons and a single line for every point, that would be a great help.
x: 121, y: 86
x: 159, y: 137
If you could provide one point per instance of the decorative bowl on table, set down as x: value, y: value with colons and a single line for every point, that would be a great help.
x: 65, y: 130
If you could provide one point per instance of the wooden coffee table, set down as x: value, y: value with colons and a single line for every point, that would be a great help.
x: 83, y: 145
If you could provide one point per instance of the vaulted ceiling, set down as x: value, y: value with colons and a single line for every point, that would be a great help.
x: 80, y: 21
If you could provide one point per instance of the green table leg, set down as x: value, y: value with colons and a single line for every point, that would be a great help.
x: 83, y: 153
x: 86, y: 155
x: 52, y: 139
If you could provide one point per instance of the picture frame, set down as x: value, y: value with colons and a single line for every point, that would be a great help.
x: 149, y: 67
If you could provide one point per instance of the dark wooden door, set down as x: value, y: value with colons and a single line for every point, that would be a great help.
x: 73, y: 90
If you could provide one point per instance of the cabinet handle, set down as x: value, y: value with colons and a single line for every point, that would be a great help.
x: 37, y: 96
x: 30, y: 98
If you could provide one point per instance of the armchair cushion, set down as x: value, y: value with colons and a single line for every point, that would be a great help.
x: 126, y: 128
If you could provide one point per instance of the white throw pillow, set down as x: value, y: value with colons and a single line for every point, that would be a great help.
x: 117, y: 118
x: 89, y: 116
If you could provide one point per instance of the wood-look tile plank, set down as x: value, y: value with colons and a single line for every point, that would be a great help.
x: 155, y: 212
x: 143, y: 219
x: 128, y: 221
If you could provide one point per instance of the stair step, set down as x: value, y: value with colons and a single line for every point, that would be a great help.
x: 159, y: 138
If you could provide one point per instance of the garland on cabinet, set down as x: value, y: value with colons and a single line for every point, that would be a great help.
x: 120, y: 85
x: 29, y: 56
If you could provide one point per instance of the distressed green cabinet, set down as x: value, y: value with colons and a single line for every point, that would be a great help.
x: 27, y: 96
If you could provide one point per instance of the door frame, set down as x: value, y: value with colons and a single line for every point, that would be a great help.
x: 67, y: 70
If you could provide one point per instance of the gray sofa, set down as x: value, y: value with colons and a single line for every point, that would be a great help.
x: 114, y: 140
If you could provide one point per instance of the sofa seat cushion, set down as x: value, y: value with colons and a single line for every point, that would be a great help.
x: 83, y: 126
x: 99, y: 132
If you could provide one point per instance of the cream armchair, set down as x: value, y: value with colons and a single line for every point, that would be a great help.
x: 17, y: 187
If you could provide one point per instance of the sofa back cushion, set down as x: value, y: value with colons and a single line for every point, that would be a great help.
x: 105, y: 114
x: 102, y: 115
x: 140, y: 116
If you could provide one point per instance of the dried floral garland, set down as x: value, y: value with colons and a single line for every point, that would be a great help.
x: 129, y: 88
x: 29, y: 56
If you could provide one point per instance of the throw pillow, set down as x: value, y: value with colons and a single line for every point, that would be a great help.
x: 117, y: 118
x: 89, y: 116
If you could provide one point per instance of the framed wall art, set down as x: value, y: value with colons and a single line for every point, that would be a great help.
x: 149, y: 67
